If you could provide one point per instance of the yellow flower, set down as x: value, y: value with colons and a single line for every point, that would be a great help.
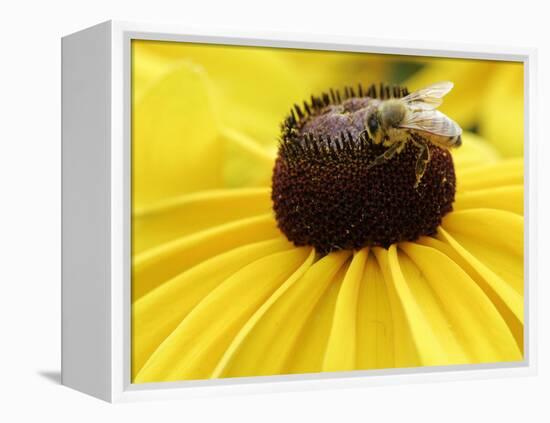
x: 218, y: 290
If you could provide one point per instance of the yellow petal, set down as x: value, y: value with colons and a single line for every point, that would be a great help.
x: 148, y: 69
x: 190, y: 213
x: 375, y: 339
x: 320, y: 70
x: 424, y: 316
x: 341, y: 349
x: 464, y: 318
x: 494, y: 237
x: 265, y: 343
x: 414, y: 342
x: 157, y: 314
x: 450, y: 350
x: 175, y: 143
x: 509, y: 197
x: 504, y: 172
x: 504, y: 296
x: 470, y: 78
x: 193, y: 350
x: 508, y: 302
x: 474, y: 151
x: 502, y: 114
x: 155, y: 266
x: 309, y: 350
x: 249, y: 163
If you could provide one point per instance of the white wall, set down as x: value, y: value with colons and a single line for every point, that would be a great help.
x: 30, y: 207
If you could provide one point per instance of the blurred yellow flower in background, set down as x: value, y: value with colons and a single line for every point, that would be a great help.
x: 218, y: 291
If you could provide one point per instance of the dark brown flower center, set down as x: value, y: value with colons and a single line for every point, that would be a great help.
x: 324, y: 196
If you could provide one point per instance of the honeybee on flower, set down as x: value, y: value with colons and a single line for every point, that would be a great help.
x: 395, y: 122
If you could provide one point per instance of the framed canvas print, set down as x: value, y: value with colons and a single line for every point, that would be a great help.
x: 252, y: 212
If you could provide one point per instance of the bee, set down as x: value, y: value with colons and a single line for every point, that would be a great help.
x: 412, y: 119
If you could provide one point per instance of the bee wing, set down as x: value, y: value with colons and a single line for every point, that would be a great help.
x: 428, y: 98
x: 433, y: 122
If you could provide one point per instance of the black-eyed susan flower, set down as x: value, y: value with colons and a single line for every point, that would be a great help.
x: 377, y: 274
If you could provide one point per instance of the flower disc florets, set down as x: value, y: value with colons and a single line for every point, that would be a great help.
x: 324, y: 196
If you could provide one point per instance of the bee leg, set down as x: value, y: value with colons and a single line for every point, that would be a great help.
x: 422, y: 161
x: 387, y: 155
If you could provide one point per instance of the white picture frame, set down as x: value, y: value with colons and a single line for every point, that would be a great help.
x: 96, y: 213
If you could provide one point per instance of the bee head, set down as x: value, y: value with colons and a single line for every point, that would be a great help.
x: 372, y: 123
